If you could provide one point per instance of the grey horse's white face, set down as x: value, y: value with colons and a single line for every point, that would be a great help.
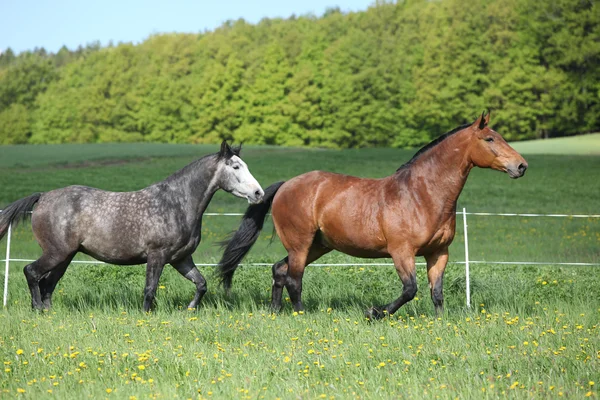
x: 237, y: 180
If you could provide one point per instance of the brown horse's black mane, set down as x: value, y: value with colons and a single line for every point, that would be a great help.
x: 432, y: 144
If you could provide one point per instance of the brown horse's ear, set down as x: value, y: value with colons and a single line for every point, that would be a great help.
x: 482, y: 121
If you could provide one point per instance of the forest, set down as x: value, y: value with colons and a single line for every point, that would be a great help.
x: 395, y: 75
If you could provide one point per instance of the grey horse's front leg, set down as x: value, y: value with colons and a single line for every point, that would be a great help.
x: 154, y: 269
x: 187, y: 268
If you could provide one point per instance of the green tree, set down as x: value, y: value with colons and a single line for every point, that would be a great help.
x: 15, y: 125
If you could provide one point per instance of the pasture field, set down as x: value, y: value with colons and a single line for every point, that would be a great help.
x: 583, y: 144
x: 532, y: 331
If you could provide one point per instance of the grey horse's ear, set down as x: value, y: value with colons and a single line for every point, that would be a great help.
x: 225, y: 151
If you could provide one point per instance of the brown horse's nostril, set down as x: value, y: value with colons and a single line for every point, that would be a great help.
x: 522, y: 168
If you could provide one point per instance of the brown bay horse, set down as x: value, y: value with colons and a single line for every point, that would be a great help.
x: 410, y: 213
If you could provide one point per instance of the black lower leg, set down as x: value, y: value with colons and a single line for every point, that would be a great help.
x: 34, y: 286
x: 279, y: 277
x: 49, y: 282
x: 35, y: 272
x: 195, y: 276
x: 153, y: 272
x: 437, y: 296
x: 294, y: 288
x: 188, y: 270
x: 409, y: 291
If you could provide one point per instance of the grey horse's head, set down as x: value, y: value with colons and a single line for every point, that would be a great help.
x: 234, y: 177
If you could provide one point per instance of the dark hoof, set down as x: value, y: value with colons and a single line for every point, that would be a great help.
x: 375, y: 313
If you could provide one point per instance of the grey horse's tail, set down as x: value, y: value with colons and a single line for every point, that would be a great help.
x: 17, y: 212
x: 242, y: 240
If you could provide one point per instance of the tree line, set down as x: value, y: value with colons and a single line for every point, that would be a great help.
x: 397, y: 75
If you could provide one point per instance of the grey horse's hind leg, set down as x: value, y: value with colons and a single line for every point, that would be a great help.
x: 154, y: 269
x: 39, y: 269
x: 188, y: 269
x: 49, y: 282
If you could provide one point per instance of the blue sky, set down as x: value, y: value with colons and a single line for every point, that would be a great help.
x: 25, y: 24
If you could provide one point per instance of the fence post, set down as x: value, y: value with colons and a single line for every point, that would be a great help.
x: 468, y: 289
x: 7, y: 264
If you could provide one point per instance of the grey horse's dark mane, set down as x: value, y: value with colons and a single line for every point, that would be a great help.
x: 432, y: 144
x: 235, y: 151
x: 191, y: 166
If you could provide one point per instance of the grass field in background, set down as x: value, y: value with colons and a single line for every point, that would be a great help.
x: 583, y: 145
x: 532, y: 331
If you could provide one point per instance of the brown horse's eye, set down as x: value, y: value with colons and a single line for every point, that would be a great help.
x: 489, y: 140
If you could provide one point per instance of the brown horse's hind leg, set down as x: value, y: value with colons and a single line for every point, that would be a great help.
x: 42, y: 268
x: 289, y: 272
x: 188, y: 269
x: 280, y: 270
x: 405, y: 267
x: 436, y: 264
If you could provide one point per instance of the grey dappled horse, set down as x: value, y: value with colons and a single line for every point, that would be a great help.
x: 157, y: 225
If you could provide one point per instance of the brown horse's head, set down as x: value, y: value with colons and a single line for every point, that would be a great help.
x: 490, y: 150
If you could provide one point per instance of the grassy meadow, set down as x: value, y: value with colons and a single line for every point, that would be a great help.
x: 532, y: 331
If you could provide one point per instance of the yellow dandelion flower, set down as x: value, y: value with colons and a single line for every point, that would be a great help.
x: 19, y: 352
x: 141, y: 367
x: 406, y: 362
x: 20, y: 390
x: 286, y: 359
x: 109, y: 390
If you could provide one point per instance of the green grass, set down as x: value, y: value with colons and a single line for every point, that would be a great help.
x: 532, y: 331
x: 582, y: 144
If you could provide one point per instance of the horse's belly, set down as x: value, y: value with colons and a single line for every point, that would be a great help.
x: 362, y: 250
x: 115, y: 256
x: 362, y: 253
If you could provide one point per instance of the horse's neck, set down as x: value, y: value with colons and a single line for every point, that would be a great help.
x: 443, y: 171
x: 194, y: 186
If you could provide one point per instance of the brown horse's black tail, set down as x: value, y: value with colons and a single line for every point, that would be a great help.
x: 17, y: 212
x: 242, y: 240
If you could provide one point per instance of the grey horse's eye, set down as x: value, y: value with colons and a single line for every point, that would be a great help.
x: 236, y: 167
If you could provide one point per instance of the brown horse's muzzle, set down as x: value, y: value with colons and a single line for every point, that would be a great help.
x: 517, y: 169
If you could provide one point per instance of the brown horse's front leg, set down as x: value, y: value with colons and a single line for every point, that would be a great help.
x: 405, y: 267
x: 436, y: 265
x: 293, y: 282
